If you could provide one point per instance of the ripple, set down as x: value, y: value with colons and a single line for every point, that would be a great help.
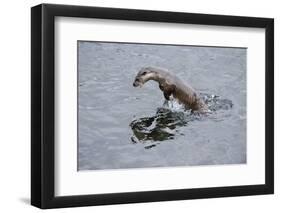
x: 170, y: 118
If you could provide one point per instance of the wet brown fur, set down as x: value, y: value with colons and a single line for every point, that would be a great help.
x: 171, y: 86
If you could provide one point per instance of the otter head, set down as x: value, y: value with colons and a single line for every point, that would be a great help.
x: 144, y: 75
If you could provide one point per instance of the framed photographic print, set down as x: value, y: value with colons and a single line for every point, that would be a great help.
x: 139, y: 106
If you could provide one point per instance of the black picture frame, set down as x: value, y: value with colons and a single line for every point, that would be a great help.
x: 43, y: 102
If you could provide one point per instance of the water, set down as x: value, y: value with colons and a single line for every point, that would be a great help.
x: 125, y: 127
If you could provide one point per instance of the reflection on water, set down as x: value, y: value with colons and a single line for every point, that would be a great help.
x: 166, y: 123
x: 160, y: 127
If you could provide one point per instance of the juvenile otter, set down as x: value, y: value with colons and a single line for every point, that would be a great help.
x: 171, y: 85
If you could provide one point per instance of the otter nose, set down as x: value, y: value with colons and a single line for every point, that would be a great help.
x: 136, y: 82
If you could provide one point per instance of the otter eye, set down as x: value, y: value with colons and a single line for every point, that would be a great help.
x: 144, y: 73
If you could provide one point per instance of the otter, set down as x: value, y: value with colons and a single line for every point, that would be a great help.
x: 171, y: 86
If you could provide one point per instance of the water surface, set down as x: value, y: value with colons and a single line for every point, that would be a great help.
x: 125, y: 127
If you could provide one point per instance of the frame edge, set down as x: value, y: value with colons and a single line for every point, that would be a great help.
x: 42, y: 128
x: 36, y: 50
x: 269, y: 112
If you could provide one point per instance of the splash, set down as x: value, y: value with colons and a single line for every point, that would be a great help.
x: 170, y: 118
x: 174, y: 106
x: 215, y: 102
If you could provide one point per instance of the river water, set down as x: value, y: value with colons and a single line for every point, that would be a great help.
x: 124, y: 127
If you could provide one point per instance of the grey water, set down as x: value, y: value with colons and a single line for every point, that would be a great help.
x: 122, y: 127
